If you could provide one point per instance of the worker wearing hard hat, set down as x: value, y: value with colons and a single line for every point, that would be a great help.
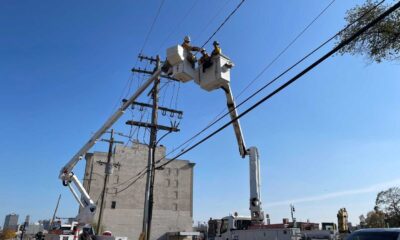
x: 189, y: 48
x: 217, y: 49
x: 205, y: 60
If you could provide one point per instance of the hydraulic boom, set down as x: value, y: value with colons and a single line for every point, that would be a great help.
x: 257, y: 215
x: 67, y: 177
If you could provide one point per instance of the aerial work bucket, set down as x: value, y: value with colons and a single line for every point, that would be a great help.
x: 182, y: 69
x: 217, y: 75
x: 213, y: 77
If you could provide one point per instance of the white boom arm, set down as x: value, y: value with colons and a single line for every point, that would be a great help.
x: 257, y: 215
x: 67, y: 176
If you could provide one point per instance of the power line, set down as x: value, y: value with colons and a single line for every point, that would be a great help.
x: 152, y: 26
x: 179, y: 25
x: 274, y: 79
x: 130, y: 79
x: 279, y: 55
x: 217, y: 118
x: 213, y: 18
x: 286, y: 48
x: 223, y: 23
x: 139, y: 176
x: 295, y: 78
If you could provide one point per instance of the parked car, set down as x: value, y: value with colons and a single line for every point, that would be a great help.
x: 375, y: 234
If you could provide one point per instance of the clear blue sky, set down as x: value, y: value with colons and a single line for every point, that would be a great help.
x: 331, y: 140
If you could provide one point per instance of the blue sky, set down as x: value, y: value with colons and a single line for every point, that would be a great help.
x: 330, y: 140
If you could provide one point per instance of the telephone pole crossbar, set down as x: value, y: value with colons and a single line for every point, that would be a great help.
x: 138, y: 70
x: 150, y: 125
x: 150, y: 59
x: 164, y: 109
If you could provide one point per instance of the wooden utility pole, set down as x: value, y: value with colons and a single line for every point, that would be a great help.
x: 108, y: 170
x: 151, y: 155
x: 154, y: 127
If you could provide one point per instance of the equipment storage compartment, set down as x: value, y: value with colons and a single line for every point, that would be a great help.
x: 217, y: 75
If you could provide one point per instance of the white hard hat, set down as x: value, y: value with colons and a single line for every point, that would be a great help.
x: 187, y: 38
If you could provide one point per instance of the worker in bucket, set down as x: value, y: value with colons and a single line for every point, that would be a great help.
x: 217, y: 49
x: 189, y: 48
x: 205, y: 60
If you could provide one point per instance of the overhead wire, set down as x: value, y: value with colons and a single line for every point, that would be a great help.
x: 130, y: 79
x: 218, y: 118
x: 176, y: 28
x: 279, y: 89
x: 213, y: 18
x: 289, y: 82
x: 286, y: 48
x: 294, y: 40
x: 223, y: 23
x: 152, y: 26
x: 271, y: 82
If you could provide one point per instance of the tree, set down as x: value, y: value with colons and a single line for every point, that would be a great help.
x: 389, y: 203
x: 7, y: 234
x: 375, y: 219
x: 381, y: 42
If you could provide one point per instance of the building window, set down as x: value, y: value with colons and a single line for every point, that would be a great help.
x: 175, y: 207
x: 176, y: 194
x: 168, y: 182
x: 113, y: 204
x: 176, y: 183
x: 116, y: 179
x: 177, y: 172
x: 167, y: 171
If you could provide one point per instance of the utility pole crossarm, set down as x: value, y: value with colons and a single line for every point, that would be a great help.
x: 150, y: 125
x: 138, y: 70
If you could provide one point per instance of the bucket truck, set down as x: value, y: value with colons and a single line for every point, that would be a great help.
x: 217, y: 76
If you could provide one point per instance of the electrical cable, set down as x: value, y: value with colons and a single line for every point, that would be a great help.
x: 176, y: 28
x: 274, y: 60
x: 293, y: 79
x: 152, y: 26
x: 223, y: 23
x: 273, y: 80
x: 286, y: 48
x: 130, y: 80
x: 278, y: 56
x: 213, y: 18
x: 141, y: 173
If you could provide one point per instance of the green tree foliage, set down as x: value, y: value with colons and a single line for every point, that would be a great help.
x: 375, y: 219
x: 381, y: 42
x: 389, y: 203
